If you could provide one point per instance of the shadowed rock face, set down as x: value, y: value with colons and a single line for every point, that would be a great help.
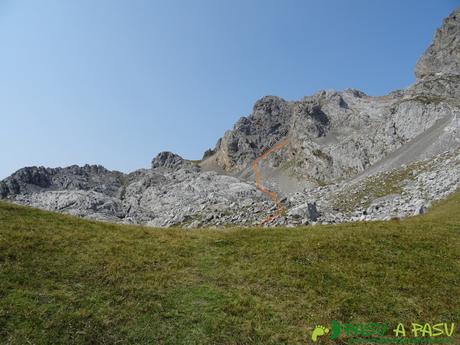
x: 251, y: 135
x: 341, y: 144
x: 438, y: 69
x: 443, y: 55
x: 36, y: 179
x: 167, y: 160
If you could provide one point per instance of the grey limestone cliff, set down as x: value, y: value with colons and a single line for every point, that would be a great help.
x: 349, y: 157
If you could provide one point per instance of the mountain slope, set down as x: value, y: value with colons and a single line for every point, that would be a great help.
x: 334, y: 135
x: 335, y: 139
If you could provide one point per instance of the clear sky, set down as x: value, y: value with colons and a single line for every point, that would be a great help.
x: 115, y: 82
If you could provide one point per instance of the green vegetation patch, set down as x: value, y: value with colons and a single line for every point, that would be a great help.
x: 380, y: 185
x: 427, y: 99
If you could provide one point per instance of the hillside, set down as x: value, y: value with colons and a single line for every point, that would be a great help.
x: 65, y: 280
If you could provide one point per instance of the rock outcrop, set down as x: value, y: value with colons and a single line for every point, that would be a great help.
x: 252, y: 135
x: 169, y: 160
x: 32, y: 180
x: 443, y: 56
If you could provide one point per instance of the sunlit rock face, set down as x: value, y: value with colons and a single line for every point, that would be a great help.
x: 349, y: 156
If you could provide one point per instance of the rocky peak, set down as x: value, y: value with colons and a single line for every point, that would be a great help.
x: 268, y: 107
x: 443, y: 55
x: 268, y: 123
x: 34, y: 179
x: 168, y: 160
x: 39, y: 176
x: 270, y: 113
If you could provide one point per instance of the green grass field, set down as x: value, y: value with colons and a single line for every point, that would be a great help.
x: 65, y: 280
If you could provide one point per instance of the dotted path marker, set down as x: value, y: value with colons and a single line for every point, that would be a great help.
x: 272, y: 195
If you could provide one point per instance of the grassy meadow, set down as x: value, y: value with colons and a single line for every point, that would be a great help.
x: 65, y: 280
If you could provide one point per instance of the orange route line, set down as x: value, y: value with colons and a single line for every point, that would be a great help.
x: 272, y: 195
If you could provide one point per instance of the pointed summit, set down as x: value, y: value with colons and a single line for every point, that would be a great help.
x: 443, y: 55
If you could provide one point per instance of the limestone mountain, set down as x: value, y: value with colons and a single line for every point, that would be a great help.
x: 336, y: 135
x: 349, y: 156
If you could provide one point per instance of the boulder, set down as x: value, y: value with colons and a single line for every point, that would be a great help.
x: 307, y: 211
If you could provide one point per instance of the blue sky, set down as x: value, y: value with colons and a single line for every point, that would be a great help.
x: 115, y: 82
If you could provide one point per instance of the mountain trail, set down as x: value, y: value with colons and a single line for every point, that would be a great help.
x: 272, y: 195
